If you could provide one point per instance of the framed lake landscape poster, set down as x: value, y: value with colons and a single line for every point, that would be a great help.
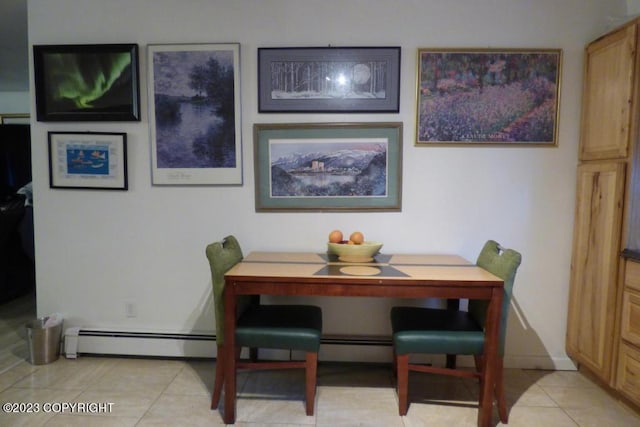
x: 194, y: 114
x: 488, y: 96
x: 328, y: 166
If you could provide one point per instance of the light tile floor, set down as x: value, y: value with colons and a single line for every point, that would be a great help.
x: 160, y: 392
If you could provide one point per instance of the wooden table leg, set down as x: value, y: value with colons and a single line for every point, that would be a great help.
x: 229, y: 415
x: 492, y: 332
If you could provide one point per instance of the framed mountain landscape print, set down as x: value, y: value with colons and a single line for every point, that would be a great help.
x: 328, y: 166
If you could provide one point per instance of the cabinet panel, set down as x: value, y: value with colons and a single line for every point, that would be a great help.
x: 607, y: 96
x: 632, y: 275
x: 628, y: 378
x: 630, y: 326
x: 594, y: 267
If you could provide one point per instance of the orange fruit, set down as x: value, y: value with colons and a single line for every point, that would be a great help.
x: 357, y: 237
x: 335, y: 236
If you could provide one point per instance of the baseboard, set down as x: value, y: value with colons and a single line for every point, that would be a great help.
x: 334, y: 348
x: 562, y: 363
x: 145, y: 344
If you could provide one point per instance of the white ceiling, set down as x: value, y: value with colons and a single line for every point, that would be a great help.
x: 14, y: 46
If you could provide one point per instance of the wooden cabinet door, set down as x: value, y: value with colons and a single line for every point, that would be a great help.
x: 607, y: 95
x: 594, y: 267
x: 629, y: 372
x: 630, y: 320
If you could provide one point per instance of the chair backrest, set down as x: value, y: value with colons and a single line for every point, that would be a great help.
x: 222, y: 256
x: 504, y: 264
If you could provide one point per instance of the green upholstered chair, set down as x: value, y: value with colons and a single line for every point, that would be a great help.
x: 290, y: 327
x: 419, y: 330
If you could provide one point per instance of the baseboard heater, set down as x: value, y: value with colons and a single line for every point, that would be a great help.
x: 87, y: 341
x: 154, y: 335
x: 334, y: 348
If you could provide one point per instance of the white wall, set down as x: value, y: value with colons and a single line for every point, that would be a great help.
x: 633, y: 7
x: 14, y: 102
x: 97, y: 250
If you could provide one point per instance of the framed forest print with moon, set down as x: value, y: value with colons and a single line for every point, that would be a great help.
x: 329, y: 79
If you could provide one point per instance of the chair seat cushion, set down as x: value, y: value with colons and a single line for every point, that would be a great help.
x: 435, y: 331
x: 295, y: 327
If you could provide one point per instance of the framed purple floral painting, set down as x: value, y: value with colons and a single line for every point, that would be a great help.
x: 488, y: 96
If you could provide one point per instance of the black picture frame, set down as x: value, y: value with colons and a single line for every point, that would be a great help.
x: 329, y: 79
x: 88, y: 160
x: 67, y: 80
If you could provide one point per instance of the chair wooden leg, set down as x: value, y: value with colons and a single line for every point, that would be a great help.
x: 219, y: 381
x: 394, y: 364
x: 253, y: 354
x: 452, y: 305
x: 499, y: 390
x: 402, y: 363
x: 311, y: 374
x: 478, y: 359
x: 451, y: 361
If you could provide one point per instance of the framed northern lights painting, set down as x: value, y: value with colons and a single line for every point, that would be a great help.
x: 97, y: 82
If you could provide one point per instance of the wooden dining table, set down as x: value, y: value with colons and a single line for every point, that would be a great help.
x: 386, y: 276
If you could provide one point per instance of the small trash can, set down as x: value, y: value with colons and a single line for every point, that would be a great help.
x: 44, y: 341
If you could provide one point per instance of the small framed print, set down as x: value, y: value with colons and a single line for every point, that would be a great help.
x: 88, y: 160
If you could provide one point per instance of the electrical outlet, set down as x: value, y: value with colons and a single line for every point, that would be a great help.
x: 130, y: 309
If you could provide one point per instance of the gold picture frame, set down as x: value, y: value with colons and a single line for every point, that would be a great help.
x: 488, y: 97
x: 15, y: 118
